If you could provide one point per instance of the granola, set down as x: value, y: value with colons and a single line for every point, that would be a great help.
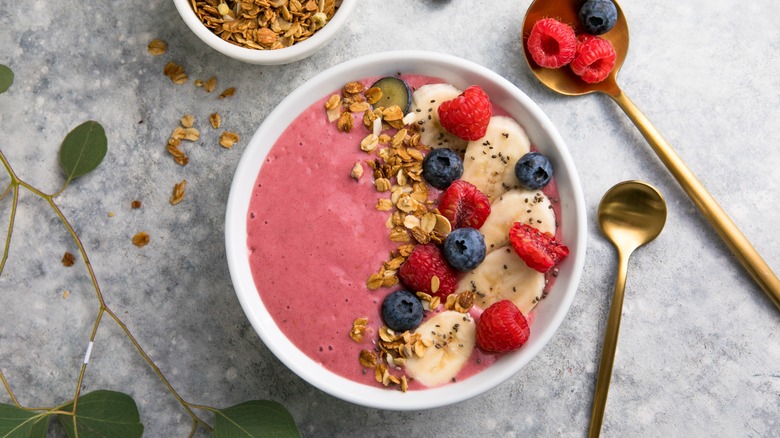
x: 141, y: 239
x: 264, y: 24
x: 68, y: 259
x: 178, y: 192
x: 175, y: 72
x: 157, y: 47
x: 228, y: 139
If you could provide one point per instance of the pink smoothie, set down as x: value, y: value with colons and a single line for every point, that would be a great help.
x: 314, y: 238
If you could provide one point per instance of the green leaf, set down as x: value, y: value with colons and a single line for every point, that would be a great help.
x: 103, y: 414
x: 83, y: 149
x: 256, y: 418
x: 18, y: 423
x: 6, y: 78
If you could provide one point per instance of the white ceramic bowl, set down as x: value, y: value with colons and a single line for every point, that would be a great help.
x: 550, y: 311
x: 287, y: 55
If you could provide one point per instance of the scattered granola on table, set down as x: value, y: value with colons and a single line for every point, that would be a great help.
x: 68, y: 259
x: 264, y: 24
x: 227, y: 93
x: 178, y: 192
x: 216, y: 120
x: 207, y: 85
x: 141, y: 239
x: 175, y: 72
x: 157, y: 47
x: 228, y: 139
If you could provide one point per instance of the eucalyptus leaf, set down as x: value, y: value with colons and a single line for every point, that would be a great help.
x: 103, y: 414
x: 255, y: 419
x: 6, y: 78
x: 19, y: 423
x: 83, y: 149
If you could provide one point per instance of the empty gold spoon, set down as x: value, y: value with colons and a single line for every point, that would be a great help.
x: 563, y: 81
x: 631, y: 214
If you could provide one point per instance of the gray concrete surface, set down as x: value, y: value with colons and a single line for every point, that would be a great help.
x: 699, y: 353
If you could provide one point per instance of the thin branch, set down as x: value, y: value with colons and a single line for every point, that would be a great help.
x: 6, y: 191
x: 155, y: 368
x: 9, y: 391
x: 103, y: 308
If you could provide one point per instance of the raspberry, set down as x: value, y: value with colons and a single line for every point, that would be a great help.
x: 425, y: 262
x: 464, y: 205
x: 467, y: 116
x: 594, y: 60
x: 552, y: 43
x: 540, y: 251
x: 502, y: 327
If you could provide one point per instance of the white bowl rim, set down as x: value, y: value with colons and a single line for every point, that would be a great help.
x: 238, y: 261
x: 293, y: 53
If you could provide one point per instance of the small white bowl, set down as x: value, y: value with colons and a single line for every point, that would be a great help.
x: 286, y: 55
x: 548, y: 314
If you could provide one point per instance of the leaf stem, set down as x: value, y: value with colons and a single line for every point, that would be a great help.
x: 15, y: 185
x: 103, y: 308
x: 9, y: 390
x: 6, y: 191
x: 156, y: 369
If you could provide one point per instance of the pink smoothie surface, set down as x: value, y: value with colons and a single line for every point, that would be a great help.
x: 314, y: 238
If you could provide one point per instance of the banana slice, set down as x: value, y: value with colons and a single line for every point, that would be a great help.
x: 425, y: 107
x: 504, y: 276
x: 452, y: 336
x: 490, y: 161
x: 530, y: 207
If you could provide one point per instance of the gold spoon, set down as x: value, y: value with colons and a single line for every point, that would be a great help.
x: 563, y: 81
x: 631, y: 214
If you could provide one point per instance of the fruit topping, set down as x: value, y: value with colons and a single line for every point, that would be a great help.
x: 464, y: 249
x: 489, y: 163
x: 538, y: 250
x: 441, y: 167
x: 501, y: 328
x: 552, y: 43
x: 518, y: 205
x: 594, y: 60
x: 464, y: 205
x: 426, y: 270
x: 395, y: 91
x: 468, y: 115
x: 402, y: 311
x: 598, y: 16
x: 533, y: 170
x: 425, y: 106
x: 451, y: 337
x: 504, y: 276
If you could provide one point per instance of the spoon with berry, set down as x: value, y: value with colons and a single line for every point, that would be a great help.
x: 580, y: 51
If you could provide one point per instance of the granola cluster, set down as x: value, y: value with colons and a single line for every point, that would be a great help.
x: 264, y: 24
x: 395, y: 161
x: 392, y: 349
x: 396, y: 167
x: 185, y: 131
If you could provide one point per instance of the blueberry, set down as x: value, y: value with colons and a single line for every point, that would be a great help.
x: 533, y: 170
x: 441, y: 167
x: 464, y: 248
x: 598, y: 16
x: 395, y: 91
x: 402, y: 311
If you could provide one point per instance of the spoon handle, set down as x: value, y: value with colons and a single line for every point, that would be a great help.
x: 725, y: 227
x: 608, y: 349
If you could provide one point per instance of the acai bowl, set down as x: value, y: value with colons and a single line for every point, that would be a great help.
x: 294, y: 283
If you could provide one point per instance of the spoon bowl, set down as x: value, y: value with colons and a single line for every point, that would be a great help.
x: 564, y: 81
x: 631, y: 214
